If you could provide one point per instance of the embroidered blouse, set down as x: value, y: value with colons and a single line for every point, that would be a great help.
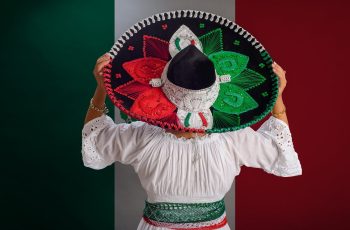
x: 181, y: 170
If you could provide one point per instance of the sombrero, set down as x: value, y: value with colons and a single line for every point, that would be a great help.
x: 192, y: 71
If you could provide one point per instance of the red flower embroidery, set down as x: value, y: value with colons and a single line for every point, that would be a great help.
x: 145, y: 69
x: 148, y: 102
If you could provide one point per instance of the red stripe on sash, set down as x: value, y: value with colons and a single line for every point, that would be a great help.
x: 212, y: 227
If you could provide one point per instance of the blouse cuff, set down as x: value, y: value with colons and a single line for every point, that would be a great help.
x: 91, y: 156
x: 287, y: 164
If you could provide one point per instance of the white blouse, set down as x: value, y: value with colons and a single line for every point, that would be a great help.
x: 181, y: 170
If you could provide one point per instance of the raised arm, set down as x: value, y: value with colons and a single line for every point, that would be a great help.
x: 103, y: 141
x: 97, y: 105
x: 279, y: 110
x: 271, y: 146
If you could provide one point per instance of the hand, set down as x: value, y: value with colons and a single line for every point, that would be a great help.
x: 98, y: 69
x: 281, y: 74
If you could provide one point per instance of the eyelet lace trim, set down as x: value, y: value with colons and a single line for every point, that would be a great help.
x: 288, y: 163
x: 90, y: 131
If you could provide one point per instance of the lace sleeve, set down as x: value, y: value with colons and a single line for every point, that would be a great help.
x: 104, y: 142
x: 269, y: 148
x: 287, y: 163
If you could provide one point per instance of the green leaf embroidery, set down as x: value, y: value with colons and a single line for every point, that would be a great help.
x: 234, y: 100
x: 248, y: 79
x: 224, y: 120
x: 212, y: 41
x: 227, y: 62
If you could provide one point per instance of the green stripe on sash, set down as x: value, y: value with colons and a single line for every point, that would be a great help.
x: 184, y: 212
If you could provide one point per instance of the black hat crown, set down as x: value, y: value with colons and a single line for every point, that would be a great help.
x: 191, y: 69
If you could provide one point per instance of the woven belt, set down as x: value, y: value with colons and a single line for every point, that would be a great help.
x: 186, y: 215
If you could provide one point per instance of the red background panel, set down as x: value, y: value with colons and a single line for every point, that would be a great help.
x: 310, y: 40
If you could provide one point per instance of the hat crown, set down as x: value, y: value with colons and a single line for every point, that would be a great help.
x: 191, y: 69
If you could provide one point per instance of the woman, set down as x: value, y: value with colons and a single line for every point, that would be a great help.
x: 112, y: 139
x: 187, y: 174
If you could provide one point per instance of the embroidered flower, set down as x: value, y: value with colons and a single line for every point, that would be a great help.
x: 149, y: 102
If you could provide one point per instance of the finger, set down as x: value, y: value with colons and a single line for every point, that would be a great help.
x: 279, y: 72
x: 275, y: 64
x: 103, y: 58
x: 99, y: 68
x: 101, y: 64
x: 100, y: 74
x: 282, y: 80
x: 104, y: 55
x: 278, y: 68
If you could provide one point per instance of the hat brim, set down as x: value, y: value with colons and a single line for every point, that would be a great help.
x: 252, y: 77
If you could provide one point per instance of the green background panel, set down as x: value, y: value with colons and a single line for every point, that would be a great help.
x: 47, y: 53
